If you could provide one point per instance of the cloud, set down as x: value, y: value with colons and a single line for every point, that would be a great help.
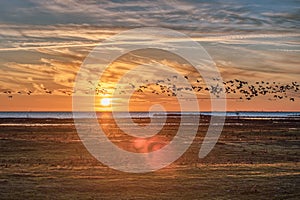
x: 49, y: 75
x: 214, y: 15
x: 50, y: 39
x: 60, y: 52
x: 32, y: 37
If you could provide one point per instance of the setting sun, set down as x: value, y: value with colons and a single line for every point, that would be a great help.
x: 105, y: 101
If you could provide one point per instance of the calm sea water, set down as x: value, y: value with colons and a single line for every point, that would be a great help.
x: 69, y: 115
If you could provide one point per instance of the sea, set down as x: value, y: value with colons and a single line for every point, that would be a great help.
x: 66, y: 119
x: 71, y: 115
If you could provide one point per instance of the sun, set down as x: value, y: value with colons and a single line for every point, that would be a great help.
x: 105, y: 101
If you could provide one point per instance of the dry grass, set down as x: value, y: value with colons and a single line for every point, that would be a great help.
x: 255, y: 161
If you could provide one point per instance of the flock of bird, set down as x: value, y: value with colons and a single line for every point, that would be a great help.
x: 245, y: 90
x: 10, y: 93
x: 261, y: 88
x: 168, y: 87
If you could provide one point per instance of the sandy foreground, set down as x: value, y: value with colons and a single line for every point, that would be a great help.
x: 253, y: 159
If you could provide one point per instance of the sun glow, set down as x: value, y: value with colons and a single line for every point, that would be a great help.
x: 105, y: 101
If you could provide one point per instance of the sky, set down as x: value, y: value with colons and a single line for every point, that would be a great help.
x: 43, y: 44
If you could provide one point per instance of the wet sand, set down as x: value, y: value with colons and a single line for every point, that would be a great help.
x: 253, y: 159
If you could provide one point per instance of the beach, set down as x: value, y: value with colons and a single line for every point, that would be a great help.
x: 254, y: 158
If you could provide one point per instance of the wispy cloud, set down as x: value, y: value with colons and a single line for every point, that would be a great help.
x: 211, y: 15
x: 43, y: 43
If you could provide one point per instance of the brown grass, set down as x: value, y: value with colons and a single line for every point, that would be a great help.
x: 256, y: 160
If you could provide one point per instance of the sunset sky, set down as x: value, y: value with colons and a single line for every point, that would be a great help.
x: 43, y: 44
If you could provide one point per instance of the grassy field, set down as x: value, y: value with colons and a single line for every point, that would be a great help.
x: 253, y: 159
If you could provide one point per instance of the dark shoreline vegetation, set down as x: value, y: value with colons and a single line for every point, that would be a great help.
x: 253, y: 159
